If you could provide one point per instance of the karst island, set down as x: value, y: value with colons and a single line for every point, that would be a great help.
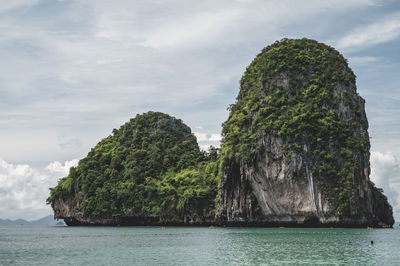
x: 295, y: 151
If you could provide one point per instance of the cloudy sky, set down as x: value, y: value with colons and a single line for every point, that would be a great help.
x: 72, y: 70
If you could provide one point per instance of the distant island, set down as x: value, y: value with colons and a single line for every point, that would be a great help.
x: 48, y: 220
x: 295, y: 152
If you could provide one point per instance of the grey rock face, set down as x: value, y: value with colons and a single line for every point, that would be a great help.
x: 275, y: 188
x: 70, y: 210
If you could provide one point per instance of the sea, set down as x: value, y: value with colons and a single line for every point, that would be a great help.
x: 63, y: 245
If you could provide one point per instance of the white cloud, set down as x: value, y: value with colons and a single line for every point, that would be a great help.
x: 379, y: 32
x: 206, y: 140
x: 202, y: 137
x: 23, y: 189
x: 57, y: 169
x: 215, y: 137
x: 385, y: 173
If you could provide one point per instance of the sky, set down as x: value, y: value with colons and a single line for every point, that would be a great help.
x: 72, y: 70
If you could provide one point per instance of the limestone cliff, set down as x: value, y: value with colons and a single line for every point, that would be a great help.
x: 295, y: 147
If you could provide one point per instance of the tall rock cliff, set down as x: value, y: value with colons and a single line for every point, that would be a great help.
x: 295, y: 147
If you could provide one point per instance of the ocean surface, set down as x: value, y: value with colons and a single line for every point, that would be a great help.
x: 62, y: 245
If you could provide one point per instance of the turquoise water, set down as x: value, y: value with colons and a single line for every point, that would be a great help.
x: 41, y: 245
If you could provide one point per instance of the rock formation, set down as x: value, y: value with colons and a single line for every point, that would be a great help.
x: 295, y: 147
x: 295, y: 152
x: 150, y: 171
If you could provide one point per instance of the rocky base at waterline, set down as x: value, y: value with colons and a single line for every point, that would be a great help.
x: 63, y: 211
x: 302, y: 222
x: 140, y: 221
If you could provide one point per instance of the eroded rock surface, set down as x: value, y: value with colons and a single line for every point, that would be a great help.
x: 296, y: 146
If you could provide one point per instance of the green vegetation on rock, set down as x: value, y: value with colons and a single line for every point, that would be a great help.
x: 297, y: 90
x: 151, y: 165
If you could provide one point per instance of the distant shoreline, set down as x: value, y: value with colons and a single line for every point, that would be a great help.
x: 47, y: 220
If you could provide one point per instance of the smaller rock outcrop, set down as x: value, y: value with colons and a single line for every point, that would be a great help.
x: 149, y: 171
